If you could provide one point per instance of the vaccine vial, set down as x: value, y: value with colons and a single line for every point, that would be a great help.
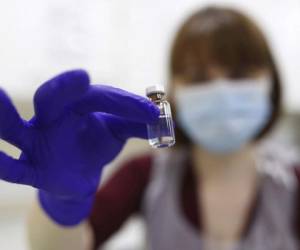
x: 160, y: 133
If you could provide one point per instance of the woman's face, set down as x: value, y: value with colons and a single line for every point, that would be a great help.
x: 222, y: 114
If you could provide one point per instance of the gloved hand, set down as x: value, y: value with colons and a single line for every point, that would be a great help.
x: 76, y: 130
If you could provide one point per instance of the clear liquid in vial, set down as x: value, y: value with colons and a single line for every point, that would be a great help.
x: 161, y: 133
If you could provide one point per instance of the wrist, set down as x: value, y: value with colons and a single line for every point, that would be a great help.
x: 65, y: 212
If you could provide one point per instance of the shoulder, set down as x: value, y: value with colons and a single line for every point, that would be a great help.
x: 154, y: 163
x: 140, y: 165
x: 141, y: 160
x: 280, y: 162
x: 131, y: 173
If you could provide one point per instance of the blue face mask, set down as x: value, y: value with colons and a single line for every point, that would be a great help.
x: 223, y: 115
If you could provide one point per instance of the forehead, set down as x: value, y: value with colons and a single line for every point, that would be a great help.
x: 216, y: 72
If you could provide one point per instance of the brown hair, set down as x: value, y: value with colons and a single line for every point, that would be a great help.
x: 226, y: 38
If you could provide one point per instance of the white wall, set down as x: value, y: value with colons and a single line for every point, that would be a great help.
x: 124, y: 43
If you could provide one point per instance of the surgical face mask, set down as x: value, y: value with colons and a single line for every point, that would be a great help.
x: 223, y: 115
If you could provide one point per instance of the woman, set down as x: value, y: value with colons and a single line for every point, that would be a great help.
x: 206, y: 192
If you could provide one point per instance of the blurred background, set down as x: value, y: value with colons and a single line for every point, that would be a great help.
x: 125, y: 44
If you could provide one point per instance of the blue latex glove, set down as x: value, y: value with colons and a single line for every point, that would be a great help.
x: 76, y: 130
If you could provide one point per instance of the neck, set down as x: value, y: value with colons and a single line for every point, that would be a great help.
x: 236, y: 166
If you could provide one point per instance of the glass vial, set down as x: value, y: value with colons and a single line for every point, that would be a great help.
x: 161, y: 133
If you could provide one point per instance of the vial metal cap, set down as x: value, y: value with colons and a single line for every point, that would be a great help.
x: 155, y: 89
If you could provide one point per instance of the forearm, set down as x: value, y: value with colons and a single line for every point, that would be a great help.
x: 44, y: 234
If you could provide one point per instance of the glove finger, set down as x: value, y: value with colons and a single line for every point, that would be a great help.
x: 123, y: 128
x: 16, y: 171
x: 12, y: 128
x: 102, y: 98
x: 53, y: 97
